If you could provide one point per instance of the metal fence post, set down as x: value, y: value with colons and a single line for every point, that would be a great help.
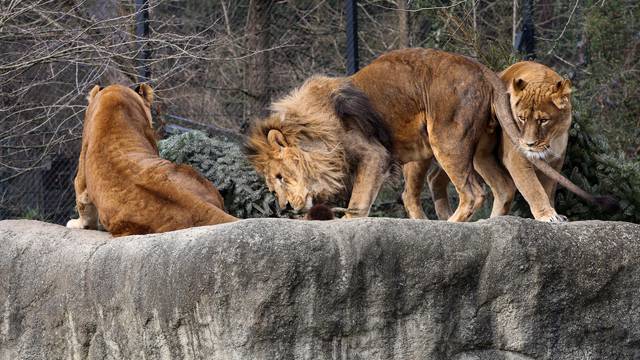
x: 526, y: 42
x: 352, y: 36
x: 142, y: 36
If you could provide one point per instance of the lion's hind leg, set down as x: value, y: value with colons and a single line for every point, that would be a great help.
x: 456, y: 159
x: 466, y: 181
x: 501, y: 185
x: 438, y: 181
x: 495, y: 175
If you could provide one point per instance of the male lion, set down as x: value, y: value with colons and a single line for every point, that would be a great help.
x: 406, y: 107
x: 124, y: 184
x: 540, y: 101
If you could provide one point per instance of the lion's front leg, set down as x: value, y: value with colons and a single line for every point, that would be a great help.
x: 88, y: 214
x: 549, y: 184
x: 414, y: 173
x: 527, y: 182
x: 370, y: 175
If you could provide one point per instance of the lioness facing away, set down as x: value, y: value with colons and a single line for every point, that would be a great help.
x: 124, y: 184
x: 540, y: 101
x: 409, y: 106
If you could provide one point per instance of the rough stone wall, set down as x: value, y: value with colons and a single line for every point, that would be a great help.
x: 505, y: 288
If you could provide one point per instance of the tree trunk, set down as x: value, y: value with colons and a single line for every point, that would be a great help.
x: 257, y: 72
x: 403, y: 24
x: 103, y: 10
x: 514, y: 28
x: 476, y: 6
x: 527, y: 45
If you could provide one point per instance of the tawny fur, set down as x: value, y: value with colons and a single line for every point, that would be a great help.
x: 332, y: 132
x: 123, y: 184
x: 312, y: 135
x: 540, y: 102
x: 408, y: 106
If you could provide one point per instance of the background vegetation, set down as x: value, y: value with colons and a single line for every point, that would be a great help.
x: 220, y: 63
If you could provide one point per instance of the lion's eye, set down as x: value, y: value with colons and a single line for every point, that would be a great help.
x: 544, y: 122
x: 281, y: 179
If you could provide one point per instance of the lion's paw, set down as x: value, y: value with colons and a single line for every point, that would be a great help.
x: 554, y: 218
x: 559, y: 218
x: 74, y: 224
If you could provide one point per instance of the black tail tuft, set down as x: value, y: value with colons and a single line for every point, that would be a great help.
x: 319, y: 212
x: 608, y: 203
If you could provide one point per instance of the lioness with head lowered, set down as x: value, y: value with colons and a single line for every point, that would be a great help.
x: 123, y: 184
x: 408, y: 106
x: 540, y: 102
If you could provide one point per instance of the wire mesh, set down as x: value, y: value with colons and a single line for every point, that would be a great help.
x: 44, y: 193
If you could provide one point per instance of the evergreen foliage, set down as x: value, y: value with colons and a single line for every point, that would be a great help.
x: 596, y: 168
x: 590, y: 164
x: 221, y: 161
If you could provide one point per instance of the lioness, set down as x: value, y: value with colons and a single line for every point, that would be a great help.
x: 407, y: 106
x: 124, y: 184
x: 540, y: 101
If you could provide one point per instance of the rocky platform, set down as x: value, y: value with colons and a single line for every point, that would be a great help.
x: 505, y: 288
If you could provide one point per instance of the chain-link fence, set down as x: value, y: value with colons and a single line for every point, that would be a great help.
x: 44, y: 193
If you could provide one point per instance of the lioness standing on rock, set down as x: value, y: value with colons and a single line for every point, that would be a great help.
x: 124, y: 184
x: 408, y: 106
x: 540, y: 101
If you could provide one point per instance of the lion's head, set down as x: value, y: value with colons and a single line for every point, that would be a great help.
x: 144, y: 97
x: 297, y: 149
x: 543, y: 112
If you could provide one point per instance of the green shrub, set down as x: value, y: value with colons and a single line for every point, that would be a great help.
x: 590, y: 164
x: 222, y: 162
x: 595, y: 167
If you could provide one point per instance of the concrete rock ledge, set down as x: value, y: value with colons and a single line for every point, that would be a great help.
x: 505, y: 288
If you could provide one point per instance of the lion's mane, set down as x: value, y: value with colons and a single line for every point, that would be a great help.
x: 305, y: 114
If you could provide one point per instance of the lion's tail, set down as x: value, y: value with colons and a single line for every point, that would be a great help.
x: 502, y: 111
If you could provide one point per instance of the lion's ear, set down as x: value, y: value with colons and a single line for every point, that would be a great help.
x: 561, y: 94
x: 276, y: 139
x: 93, y: 93
x: 146, y: 92
x: 519, y: 84
x: 563, y: 87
